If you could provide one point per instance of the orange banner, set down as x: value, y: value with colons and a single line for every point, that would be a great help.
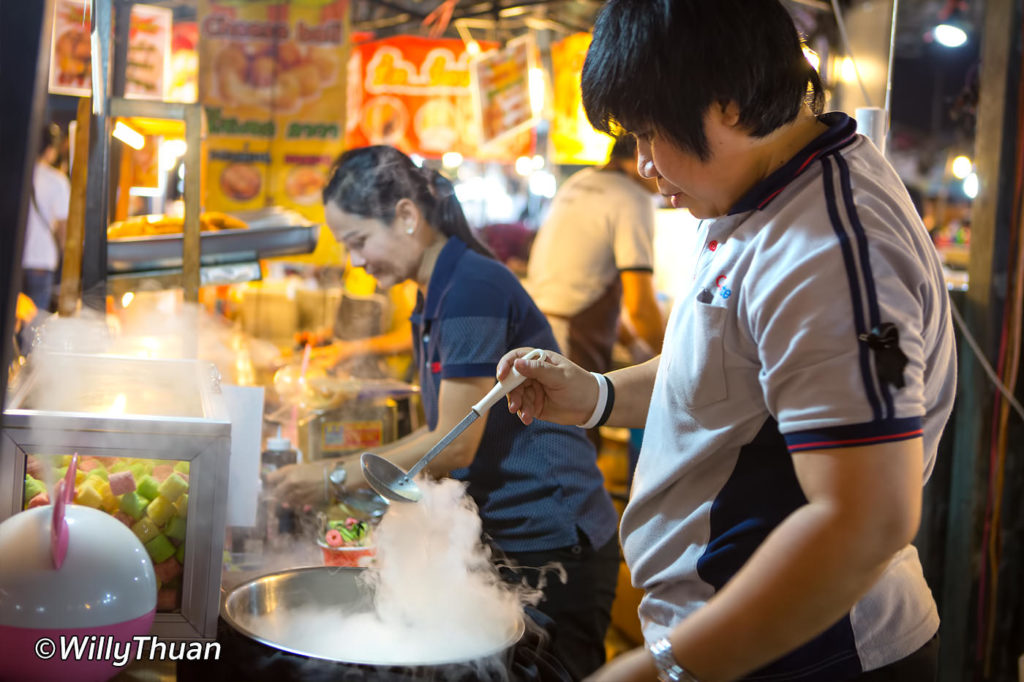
x: 414, y: 93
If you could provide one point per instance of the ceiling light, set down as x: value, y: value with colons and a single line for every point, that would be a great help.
x: 128, y: 135
x: 949, y: 35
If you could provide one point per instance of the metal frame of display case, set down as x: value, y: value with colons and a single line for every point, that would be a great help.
x: 202, y: 441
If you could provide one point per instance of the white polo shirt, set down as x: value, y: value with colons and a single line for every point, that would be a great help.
x: 770, y: 353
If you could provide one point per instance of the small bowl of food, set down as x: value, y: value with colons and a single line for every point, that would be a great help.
x: 346, y: 542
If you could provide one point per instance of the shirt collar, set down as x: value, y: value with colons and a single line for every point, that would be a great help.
x: 841, y: 131
x: 450, y: 255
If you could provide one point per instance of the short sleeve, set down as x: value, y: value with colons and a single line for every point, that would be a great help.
x: 474, y: 322
x: 812, y: 300
x: 633, y: 238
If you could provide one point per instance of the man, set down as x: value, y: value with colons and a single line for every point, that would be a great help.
x: 794, y: 414
x: 47, y: 218
x: 594, y: 253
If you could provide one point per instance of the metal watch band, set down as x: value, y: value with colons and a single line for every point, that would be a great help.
x: 668, y: 669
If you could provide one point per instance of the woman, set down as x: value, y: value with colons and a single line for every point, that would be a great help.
x: 540, y: 494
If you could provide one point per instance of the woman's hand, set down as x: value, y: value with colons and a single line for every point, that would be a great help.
x: 302, y: 484
x: 633, y: 666
x: 555, y: 390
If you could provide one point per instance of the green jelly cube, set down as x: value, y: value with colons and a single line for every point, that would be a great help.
x: 160, y: 548
x: 133, y: 504
x: 147, y: 486
x: 180, y: 554
x: 138, y: 469
x: 176, y: 528
x: 172, y: 487
x: 33, y: 486
x: 181, y: 467
x: 100, y: 472
x: 146, y: 530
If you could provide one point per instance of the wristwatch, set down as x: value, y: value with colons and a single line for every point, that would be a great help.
x: 336, y: 479
x: 668, y: 669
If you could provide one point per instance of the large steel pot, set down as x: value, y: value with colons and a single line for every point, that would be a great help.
x: 250, y: 608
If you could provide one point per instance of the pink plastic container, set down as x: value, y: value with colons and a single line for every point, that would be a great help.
x: 354, y: 557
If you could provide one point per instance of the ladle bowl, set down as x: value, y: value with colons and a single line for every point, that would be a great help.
x: 390, y: 481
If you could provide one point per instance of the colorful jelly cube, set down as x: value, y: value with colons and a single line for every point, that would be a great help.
x: 162, y: 471
x: 87, y: 463
x: 122, y: 482
x: 176, y: 528
x: 40, y: 500
x: 33, y: 486
x: 172, y: 487
x: 179, y: 553
x: 181, y: 506
x: 147, y: 486
x: 181, y: 467
x: 167, y: 570
x: 160, y: 510
x: 100, y: 472
x: 138, y: 470
x: 133, y: 504
x: 88, y: 495
x: 167, y: 599
x: 124, y: 518
x: 35, y: 467
x: 109, y: 503
x: 145, y: 530
x: 160, y: 548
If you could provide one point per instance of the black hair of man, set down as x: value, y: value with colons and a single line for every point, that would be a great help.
x: 623, y: 149
x: 660, y: 64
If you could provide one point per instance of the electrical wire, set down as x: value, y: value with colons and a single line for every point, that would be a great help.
x: 849, y: 51
x: 983, y: 361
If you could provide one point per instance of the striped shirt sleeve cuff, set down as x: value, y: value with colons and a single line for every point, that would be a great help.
x: 853, y: 435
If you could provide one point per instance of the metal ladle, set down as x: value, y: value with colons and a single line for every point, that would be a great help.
x: 391, y: 482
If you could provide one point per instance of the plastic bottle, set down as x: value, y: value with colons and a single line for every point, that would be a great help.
x: 280, y: 519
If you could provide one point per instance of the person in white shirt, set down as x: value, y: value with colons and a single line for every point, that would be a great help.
x: 47, y: 218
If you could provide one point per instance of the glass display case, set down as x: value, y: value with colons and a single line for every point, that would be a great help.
x: 153, y: 438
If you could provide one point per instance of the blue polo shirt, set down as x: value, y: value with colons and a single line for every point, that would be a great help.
x: 537, y: 487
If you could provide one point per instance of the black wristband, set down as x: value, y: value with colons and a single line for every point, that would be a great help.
x: 608, y: 405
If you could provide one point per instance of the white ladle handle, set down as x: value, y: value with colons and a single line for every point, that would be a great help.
x: 503, y: 387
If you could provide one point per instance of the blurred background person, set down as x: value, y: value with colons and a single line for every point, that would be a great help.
x: 47, y: 220
x: 594, y: 256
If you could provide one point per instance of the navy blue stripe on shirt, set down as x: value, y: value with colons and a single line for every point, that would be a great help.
x: 856, y: 300
x: 874, y: 317
x: 762, y: 491
x: 853, y: 435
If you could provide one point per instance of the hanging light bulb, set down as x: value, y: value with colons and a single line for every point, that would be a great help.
x: 949, y: 35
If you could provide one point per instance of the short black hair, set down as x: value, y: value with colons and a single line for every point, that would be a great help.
x: 663, y: 63
x: 623, y: 149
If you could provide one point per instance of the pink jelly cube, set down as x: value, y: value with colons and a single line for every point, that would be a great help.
x: 124, y: 518
x: 122, y: 482
x: 167, y: 570
x: 40, y: 500
x: 162, y: 471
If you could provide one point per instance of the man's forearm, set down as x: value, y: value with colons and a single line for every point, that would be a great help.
x: 633, y: 387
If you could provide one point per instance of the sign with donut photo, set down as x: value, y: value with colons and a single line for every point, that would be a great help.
x: 273, y: 85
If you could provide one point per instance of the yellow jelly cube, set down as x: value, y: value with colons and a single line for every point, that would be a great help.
x: 109, y: 502
x: 146, y: 530
x: 181, y: 505
x: 160, y: 510
x: 80, y: 477
x: 172, y: 487
x: 88, y: 496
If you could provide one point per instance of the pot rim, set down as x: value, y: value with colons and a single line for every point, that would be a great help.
x: 513, y: 638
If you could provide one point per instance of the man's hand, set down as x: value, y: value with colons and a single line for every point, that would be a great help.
x: 555, y: 390
x: 633, y: 666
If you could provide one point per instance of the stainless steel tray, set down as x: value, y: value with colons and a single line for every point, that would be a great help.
x: 137, y: 254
